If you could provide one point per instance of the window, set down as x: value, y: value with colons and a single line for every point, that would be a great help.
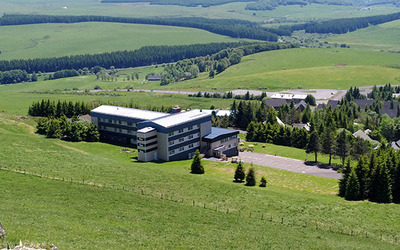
x: 181, y: 148
x: 119, y: 122
x: 120, y: 130
x: 171, y: 142
x: 191, y: 145
x: 181, y: 139
x: 190, y: 136
x: 130, y: 123
x: 172, y: 152
x: 180, y: 130
x: 171, y: 133
x: 190, y: 127
x: 141, y: 145
x: 109, y: 121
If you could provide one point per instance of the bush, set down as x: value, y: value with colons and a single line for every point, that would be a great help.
x: 239, y: 173
x: 263, y: 182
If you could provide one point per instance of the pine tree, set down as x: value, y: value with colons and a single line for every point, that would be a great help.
x: 313, y: 145
x: 328, y: 143
x: 197, y: 166
x: 342, y: 146
x: 263, y: 182
x: 384, y: 187
x: 396, y: 185
x: 362, y: 172
x: 352, y: 187
x: 239, y: 173
x: 251, y: 177
x: 343, y: 181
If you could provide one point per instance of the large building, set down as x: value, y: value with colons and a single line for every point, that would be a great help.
x: 162, y: 136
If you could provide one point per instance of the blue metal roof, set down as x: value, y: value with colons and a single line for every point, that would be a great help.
x: 218, y: 133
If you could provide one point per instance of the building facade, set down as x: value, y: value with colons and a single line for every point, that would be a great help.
x: 162, y: 136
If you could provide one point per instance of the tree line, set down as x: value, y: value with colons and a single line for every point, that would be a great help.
x: 375, y: 178
x: 47, y: 108
x: 16, y: 76
x: 194, y: 3
x: 343, y: 25
x: 215, y: 63
x: 227, y: 27
x: 144, y: 56
x: 272, y: 4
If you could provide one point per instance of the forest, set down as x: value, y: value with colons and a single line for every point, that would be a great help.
x: 343, y: 25
x: 120, y: 59
x: 272, y: 4
x: 227, y: 27
x: 16, y: 76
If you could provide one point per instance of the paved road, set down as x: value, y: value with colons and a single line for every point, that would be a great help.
x: 292, y: 165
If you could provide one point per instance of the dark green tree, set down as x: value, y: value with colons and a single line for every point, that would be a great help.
x: 263, y: 182
x: 240, y: 172
x: 343, y: 181
x: 328, y: 144
x: 313, y: 145
x: 352, y: 187
x: 342, y: 146
x: 362, y: 172
x: 251, y: 177
x: 396, y: 184
x: 384, y: 187
x: 197, y: 166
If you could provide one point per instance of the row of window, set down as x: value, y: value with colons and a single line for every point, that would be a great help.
x: 118, y: 130
x: 180, y: 131
x: 228, y: 138
x: 184, y: 148
x: 183, y: 139
x: 111, y: 121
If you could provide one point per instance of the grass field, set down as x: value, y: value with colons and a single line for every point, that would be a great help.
x: 237, y: 10
x: 304, y: 68
x: 72, y: 215
x: 380, y: 37
x: 53, y: 40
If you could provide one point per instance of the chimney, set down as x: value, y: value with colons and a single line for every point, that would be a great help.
x: 176, y: 109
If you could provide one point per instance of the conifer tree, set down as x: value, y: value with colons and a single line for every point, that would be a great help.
x: 362, y: 172
x: 263, y: 182
x: 384, y: 187
x: 313, y: 145
x: 343, y: 181
x: 251, y: 177
x: 328, y: 143
x: 352, y: 187
x: 342, y: 146
x: 197, y: 166
x: 396, y: 185
x: 239, y: 173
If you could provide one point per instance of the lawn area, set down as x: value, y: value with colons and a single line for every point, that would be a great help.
x: 302, y: 68
x: 379, y: 37
x: 54, y: 40
x: 111, y: 215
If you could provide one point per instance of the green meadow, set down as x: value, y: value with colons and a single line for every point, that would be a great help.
x: 384, y: 37
x: 54, y: 40
x: 92, y: 195
x: 236, y: 10
x: 302, y: 68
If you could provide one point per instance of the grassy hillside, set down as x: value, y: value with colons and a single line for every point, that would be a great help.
x: 111, y: 215
x: 381, y: 37
x: 53, y: 40
x: 305, y: 68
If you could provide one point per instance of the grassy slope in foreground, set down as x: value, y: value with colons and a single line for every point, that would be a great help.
x: 54, y: 40
x: 102, y: 218
x: 380, y: 37
x: 307, y: 68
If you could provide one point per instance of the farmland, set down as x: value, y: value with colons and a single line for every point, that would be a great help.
x: 303, y: 68
x: 55, y: 40
x: 112, y: 214
x: 381, y: 37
